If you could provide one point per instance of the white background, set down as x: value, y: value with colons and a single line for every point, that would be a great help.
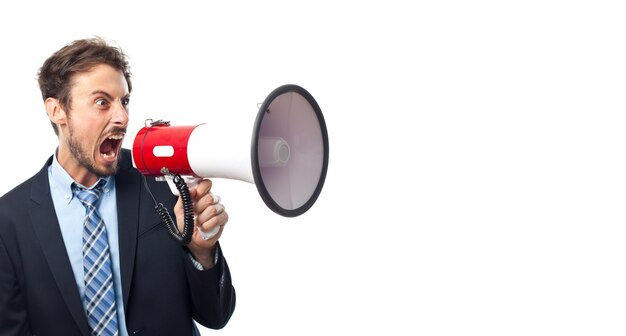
x: 476, y: 183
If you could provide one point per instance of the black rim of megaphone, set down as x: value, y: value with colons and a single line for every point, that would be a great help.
x: 256, y: 170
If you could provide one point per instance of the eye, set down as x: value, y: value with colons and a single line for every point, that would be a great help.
x: 101, y: 102
x: 125, y: 101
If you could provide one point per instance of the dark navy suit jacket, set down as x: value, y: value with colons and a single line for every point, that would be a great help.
x: 162, y: 290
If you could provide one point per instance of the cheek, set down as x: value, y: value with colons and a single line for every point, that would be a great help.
x: 84, y: 132
x: 92, y: 122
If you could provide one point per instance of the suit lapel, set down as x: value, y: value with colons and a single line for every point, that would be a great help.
x: 128, y: 186
x: 46, y: 227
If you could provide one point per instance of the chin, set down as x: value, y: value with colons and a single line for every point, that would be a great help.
x: 104, y: 171
x: 112, y: 169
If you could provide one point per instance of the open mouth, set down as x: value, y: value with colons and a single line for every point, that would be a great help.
x: 110, y: 147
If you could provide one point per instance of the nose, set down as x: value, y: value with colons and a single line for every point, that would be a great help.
x: 120, y: 113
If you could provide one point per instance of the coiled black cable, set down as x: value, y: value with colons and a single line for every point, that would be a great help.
x: 166, y: 219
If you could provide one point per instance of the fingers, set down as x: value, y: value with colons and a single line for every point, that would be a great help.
x: 202, y: 196
x: 202, y: 203
x: 215, y: 199
x: 203, y: 188
x: 211, y: 212
x: 212, y: 221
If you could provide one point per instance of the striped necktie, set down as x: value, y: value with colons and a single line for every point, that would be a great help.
x: 99, y: 290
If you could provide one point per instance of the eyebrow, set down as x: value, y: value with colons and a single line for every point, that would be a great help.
x: 97, y: 92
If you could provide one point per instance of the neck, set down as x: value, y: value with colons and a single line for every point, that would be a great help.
x: 74, y: 169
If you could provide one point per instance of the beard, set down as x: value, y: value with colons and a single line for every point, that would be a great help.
x: 84, y: 158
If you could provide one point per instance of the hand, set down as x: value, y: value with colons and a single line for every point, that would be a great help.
x: 210, y: 215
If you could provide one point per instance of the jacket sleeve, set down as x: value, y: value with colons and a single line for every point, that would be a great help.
x: 212, y: 293
x: 13, y: 316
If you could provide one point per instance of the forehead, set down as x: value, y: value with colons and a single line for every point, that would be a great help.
x: 101, y: 77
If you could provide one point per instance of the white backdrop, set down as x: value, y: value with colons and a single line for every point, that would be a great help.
x: 476, y: 183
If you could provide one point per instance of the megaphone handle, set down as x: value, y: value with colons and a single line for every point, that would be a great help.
x: 208, y: 235
x: 192, y: 182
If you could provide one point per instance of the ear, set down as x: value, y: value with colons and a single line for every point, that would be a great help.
x: 55, y: 112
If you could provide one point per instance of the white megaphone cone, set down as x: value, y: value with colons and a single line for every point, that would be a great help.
x: 284, y: 151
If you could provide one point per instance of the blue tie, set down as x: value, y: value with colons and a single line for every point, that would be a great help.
x: 99, y: 291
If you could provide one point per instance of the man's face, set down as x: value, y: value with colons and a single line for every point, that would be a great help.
x: 97, y: 119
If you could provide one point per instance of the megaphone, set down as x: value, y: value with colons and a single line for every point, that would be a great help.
x: 286, y: 156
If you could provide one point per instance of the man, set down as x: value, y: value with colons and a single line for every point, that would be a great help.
x: 82, y: 250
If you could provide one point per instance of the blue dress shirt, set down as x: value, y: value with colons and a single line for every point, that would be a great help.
x: 71, y: 214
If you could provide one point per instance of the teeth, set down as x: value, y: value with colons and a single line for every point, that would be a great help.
x: 108, y: 155
x: 116, y: 137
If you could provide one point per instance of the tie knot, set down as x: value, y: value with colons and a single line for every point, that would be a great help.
x: 89, y: 197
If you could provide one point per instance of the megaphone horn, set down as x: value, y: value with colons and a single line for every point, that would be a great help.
x: 286, y: 157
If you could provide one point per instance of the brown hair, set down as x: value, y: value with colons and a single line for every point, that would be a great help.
x: 56, y: 73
